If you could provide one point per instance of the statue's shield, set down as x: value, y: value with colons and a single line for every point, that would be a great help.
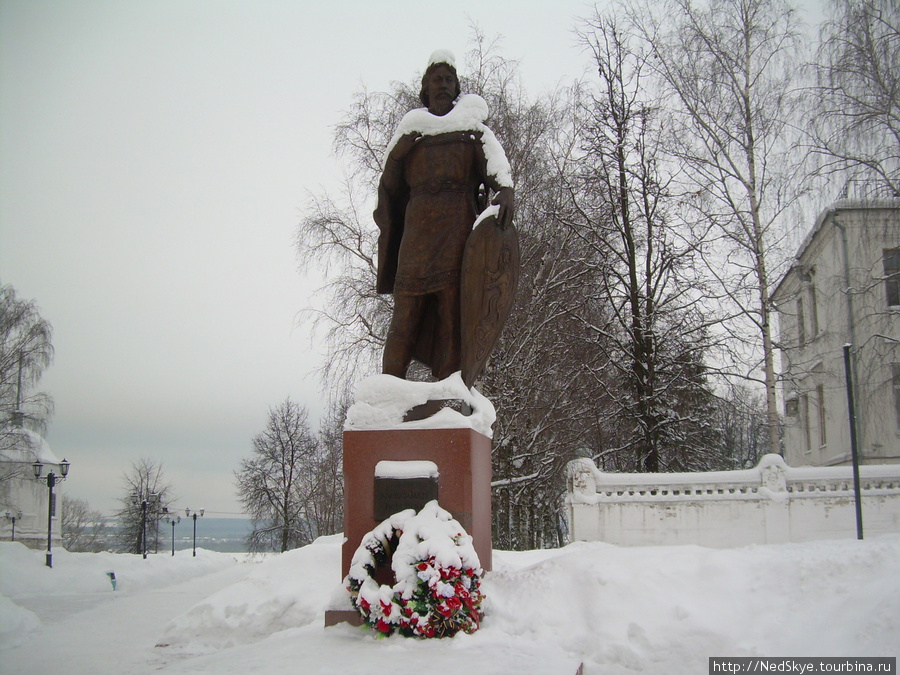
x: 490, y: 272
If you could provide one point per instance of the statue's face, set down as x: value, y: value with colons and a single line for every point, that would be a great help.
x: 441, y: 86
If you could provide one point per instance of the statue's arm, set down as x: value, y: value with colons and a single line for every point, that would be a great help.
x: 403, y: 146
x: 504, y: 193
x: 505, y: 198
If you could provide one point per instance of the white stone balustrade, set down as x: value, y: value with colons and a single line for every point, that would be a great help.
x: 771, y: 503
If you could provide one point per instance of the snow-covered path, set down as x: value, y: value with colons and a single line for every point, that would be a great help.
x: 96, y: 632
x: 616, y: 610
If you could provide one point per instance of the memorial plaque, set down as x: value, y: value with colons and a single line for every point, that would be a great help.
x: 393, y: 495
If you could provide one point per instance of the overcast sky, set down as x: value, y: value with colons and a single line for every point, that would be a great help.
x: 154, y: 161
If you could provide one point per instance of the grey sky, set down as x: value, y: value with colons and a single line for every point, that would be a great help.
x: 154, y: 160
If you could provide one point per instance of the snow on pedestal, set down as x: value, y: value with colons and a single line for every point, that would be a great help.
x: 406, y: 469
x: 383, y: 400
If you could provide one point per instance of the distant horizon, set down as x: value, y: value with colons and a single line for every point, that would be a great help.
x: 213, y: 534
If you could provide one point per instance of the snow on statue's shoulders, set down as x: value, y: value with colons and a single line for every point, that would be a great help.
x: 381, y: 401
x: 468, y: 114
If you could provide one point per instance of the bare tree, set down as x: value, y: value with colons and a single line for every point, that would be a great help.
x: 856, y: 126
x: 26, y: 350
x: 742, y: 420
x: 290, y: 483
x: 337, y: 237
x: 652, y: 336
x: 83, y: 529
x: 325, y: 511
x: 729, y: 68
x: 146, y: 493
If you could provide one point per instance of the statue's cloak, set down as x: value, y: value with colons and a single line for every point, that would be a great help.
x: 428, y: 201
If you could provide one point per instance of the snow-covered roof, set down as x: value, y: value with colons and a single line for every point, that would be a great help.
x: 19, y: 444
x: 824, y: 217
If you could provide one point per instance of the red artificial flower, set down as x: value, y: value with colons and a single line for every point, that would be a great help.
x: 383, y: 626
x: 454, y: 603
x: 422, y: 566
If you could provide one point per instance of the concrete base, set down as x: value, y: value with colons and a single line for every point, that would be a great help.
x: 463, y: 458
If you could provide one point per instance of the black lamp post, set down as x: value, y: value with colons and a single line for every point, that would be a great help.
x: 194, y: 515
x: 13, y: 517
x: 172, y: 518
x: 52, y: 479
x: 146, y: 502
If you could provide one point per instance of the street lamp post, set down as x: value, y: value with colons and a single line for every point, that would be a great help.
x: 146, y: 502
x: 52, y: 479
x: 854, y: 451
x: 194, y: 515
x: 172, y: 518
x: 13, y: 517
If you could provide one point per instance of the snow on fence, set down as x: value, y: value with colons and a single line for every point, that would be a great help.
x: 772, y: 503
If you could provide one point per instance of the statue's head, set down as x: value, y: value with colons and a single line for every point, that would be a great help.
x: 439, y: 59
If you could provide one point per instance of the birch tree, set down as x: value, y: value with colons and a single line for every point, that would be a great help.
x: 855, y: 130
x: 26, y: 350
x: 652, y: 337
x: 728, y: 66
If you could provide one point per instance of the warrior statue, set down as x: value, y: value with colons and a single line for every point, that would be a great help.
x: 452, y: 288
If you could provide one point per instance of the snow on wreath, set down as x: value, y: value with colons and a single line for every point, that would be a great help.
x: 438, y: 589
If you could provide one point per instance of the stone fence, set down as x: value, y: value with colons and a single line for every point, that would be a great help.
x: 772, y: 503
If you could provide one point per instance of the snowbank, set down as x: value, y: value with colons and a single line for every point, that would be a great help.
x: 616, y: 610
x: 288, y: 591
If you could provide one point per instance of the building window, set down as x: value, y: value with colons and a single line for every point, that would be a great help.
x: 896, y: 385
x: 801, y: 323
x: 808, y: 281
x: 820, y: 395
x: 813, y: 311
x: 892, y: 276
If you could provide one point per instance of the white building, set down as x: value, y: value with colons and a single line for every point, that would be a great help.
x: 20, y: 493
x: 843, y: 288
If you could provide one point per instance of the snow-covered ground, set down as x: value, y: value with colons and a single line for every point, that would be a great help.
x: 617, y: 610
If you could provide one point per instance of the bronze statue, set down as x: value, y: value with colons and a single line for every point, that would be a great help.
x: 440, y: 169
